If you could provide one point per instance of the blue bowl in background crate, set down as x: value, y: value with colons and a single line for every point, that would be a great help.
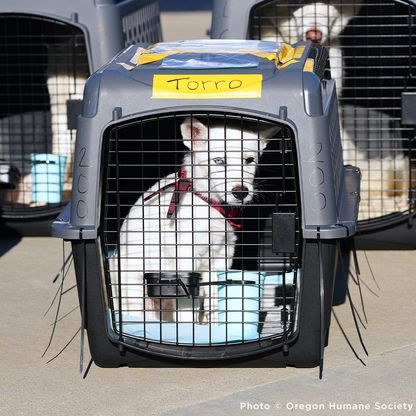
x: 48, y: 174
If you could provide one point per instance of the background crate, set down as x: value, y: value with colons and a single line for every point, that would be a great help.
x: 49, y: 50
x: 372, y: 55
x: 304, y: 201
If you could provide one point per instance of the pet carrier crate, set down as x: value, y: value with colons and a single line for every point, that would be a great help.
x: 209, y: 197
x: 371, y: 50
x: 49, y: 48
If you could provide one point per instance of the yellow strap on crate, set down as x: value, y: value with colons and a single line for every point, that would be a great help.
x: 289, y: 55
x: 308, y: 65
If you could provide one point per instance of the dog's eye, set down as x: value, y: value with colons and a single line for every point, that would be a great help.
x: 249, y: 160
x: 219, y: 161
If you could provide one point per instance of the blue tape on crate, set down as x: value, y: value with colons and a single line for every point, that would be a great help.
x: 210, y: 61
x: 184, y: 333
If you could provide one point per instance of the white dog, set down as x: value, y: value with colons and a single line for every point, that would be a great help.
x: 177, y: 224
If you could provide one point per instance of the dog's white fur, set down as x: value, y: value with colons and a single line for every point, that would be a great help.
x: 197, y: 238
x: 385, y: 180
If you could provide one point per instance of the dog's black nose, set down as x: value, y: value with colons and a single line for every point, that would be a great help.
x: 240, y: 192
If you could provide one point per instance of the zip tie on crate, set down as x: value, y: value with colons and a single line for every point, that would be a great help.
x: 83, y: 299
x: 370, y: 268
x: 284, y: 314
x: 69, y: 258
x: 322, y: 303
x: 65, y: 347
x: 371, y: 271
x: 60, y: 290
x: 357, y: 271
x: 88, y: 369
x: 354, y: 313
x: 346, y: 338
x: 184, y: 184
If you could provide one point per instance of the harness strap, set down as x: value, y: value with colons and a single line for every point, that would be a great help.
x: 184, y: 184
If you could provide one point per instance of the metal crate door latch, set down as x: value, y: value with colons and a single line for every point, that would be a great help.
x: 283, y: 232
x: 74, y: 109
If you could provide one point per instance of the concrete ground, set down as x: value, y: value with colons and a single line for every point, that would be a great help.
x: 31, y: 384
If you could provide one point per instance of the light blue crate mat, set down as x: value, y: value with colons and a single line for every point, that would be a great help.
x: 184, y: 333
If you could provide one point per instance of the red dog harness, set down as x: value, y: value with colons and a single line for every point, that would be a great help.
x: 184, y: 184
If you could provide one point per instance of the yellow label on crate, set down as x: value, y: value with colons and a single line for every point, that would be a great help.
x: 207, y: 86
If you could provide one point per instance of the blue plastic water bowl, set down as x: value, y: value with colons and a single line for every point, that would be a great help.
x: 48, y: 175
x: 239, y: 299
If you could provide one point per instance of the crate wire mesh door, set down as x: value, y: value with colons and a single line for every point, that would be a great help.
x: 44, y: 72
x: 371, y: 51
x: 179, y: 268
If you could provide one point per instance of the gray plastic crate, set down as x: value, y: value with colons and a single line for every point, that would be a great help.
x: 372, y: 57
x: 189, y: 136
x: 49, y: 49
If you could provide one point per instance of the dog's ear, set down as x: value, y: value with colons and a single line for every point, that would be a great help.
x: 194, y: 133
x: 266, y: 134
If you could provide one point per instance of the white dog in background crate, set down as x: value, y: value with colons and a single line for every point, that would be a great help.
x: 190, y: 235
x: 385, y: 177
x: 316, y: 22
